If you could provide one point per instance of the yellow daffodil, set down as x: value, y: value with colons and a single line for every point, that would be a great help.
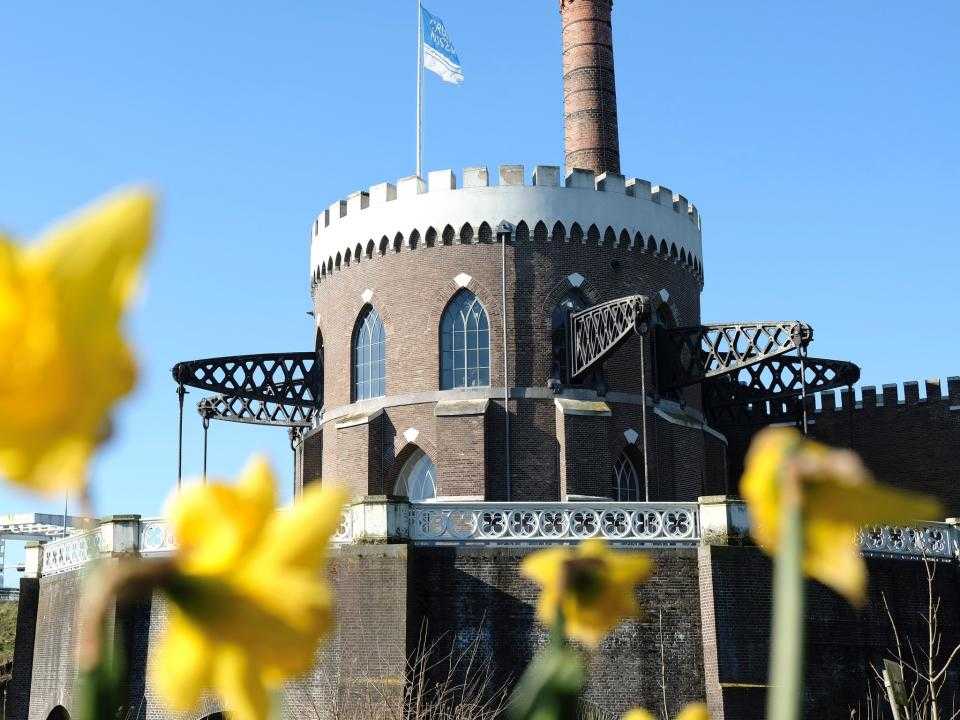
x: 693, y: 711
x: 63, y: 360
x: 837, y: 496
x: 592, y: 585
x: 249, y: 601
x: 637, y: 714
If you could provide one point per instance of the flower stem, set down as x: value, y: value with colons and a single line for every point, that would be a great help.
x: 786, y: 654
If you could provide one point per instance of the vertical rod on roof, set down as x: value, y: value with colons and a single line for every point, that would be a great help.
x: 419, y: 88
x: 66, y: 501
x: 851, y: 398
x: 181, y: 391
x: 803, y: 387
x: 643, y: 415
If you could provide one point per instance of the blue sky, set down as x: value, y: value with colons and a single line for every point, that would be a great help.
x: 819, y: 140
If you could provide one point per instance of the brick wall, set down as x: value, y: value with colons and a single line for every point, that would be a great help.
x: 366, y: 655
x: 905, y: 440
x: 841, y: 644
x: 17, y: 701
x: 412, y: 287
x: 476, y: 595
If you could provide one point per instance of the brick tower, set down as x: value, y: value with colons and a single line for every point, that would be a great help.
x: 589, y: 87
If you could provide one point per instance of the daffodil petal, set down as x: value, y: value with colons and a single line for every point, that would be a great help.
x: 180, y: 667
x: 637, y: 714
x: 545, y: 566
x: 694, y: 711
x: 301, y: 536
x: 240, y: 686
x: 832, y: 556
x: 67, y: 363
x: 869, y: 502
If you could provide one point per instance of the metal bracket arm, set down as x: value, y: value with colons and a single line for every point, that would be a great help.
x: 595, y: 333
x: 690, y: 355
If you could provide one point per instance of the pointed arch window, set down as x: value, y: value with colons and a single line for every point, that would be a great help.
x: 626, y: 480
x: 464, y: 343
x: 418, y: 478
x: 369, y: 350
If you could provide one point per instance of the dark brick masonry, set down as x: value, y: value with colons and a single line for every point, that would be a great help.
x: 842, y: 642
x: 363, y: 447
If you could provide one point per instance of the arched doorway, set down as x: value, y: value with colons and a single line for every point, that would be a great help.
x: 417, y: 480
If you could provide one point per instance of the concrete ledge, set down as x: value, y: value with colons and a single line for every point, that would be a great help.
x: 349, y: 421
x: 595, y: 408
x: 450, y: 408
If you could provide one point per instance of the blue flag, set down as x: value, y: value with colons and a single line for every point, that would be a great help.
x: 439, y: 54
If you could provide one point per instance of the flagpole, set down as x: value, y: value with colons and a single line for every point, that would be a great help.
x: 419, y: 88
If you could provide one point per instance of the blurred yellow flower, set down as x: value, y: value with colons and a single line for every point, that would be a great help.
x: 637, y: 714
x: 591, y: 584
x: 693, y: 711
x: 63, y: 360
x: 838, y: 497
x: 249, y: 601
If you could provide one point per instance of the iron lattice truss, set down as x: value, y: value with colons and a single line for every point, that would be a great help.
x: 599, y: 330
x: 728, y: 399
x: 235, y: 408
x: 691, y: 355
x: 282, y: 389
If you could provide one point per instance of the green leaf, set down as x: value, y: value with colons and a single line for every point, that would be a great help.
x: 100, y: 687
x: 551, y: 685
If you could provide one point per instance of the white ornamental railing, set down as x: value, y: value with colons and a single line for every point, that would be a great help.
x: 635, y: 523
x: 480, y: 523
x: 937, y: 541
x: 156, y: 537
x: 71, y: 552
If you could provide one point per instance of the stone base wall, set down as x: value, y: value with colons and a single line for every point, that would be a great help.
x: 705, y: 633
x: 843, y: 644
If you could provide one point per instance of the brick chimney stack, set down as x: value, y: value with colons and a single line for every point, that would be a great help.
x: 592, y: 139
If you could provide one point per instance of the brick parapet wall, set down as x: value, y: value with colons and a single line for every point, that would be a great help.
x: 905, y: 439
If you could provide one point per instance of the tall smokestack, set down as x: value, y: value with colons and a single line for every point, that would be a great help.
x: 592, y: 139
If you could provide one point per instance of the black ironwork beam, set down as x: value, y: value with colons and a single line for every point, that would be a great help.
x: 293, y: 379
x: 740, y: 399
x: 232, y: 408
x: 690, y: 355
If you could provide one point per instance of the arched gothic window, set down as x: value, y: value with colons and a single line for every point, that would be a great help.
x: 369, y: 349
x: 464, y: 343
x: 418, y: 478
x: 626, y: 480
x: 571, y: 302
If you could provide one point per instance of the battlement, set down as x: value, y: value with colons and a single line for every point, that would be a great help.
x: 509, y: 176
x: 632, y: 207
x: 871, y: 398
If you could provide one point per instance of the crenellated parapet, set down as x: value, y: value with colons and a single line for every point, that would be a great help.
x: 888, y: 397
x: 586, y: 208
